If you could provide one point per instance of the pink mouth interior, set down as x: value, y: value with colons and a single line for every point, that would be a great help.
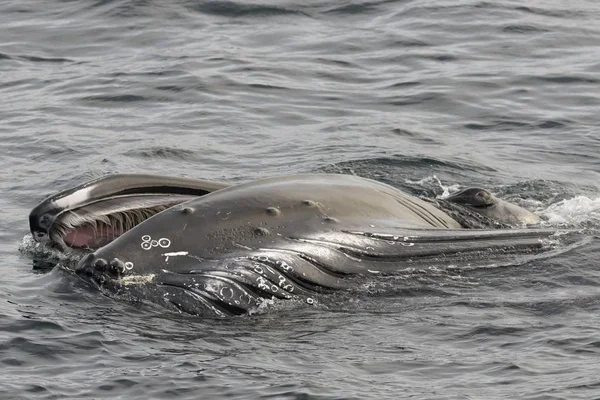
x: 87, y: 237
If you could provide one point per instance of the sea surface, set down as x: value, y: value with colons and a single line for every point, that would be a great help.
x: 427, y: 95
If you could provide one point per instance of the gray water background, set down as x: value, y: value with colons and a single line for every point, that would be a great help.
x: 424, y: 95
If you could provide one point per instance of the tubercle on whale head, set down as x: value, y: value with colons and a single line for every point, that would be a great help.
x: 93, y: 265
x: 107, y: 262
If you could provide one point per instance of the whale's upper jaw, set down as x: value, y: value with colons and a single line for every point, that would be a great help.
x: 93, y: 224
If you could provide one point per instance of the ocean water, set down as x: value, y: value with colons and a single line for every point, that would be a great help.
x: 427, y: 95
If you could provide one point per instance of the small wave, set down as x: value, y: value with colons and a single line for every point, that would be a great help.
x: 511, y: 125
x: 231, y: 9
x: 162, y: 152
x: 123, y: 98
x: 36, y: 59
x: 567, y: 79
x: 355, y: 8
x: 45, y: 59
x: 523, y: 29
x: 557, y: 13
x: 496, y: 125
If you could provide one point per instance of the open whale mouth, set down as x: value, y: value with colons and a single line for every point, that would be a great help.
x: 95, y: 213
x: 99, y: 223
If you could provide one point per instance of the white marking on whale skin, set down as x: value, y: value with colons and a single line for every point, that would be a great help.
x: 283, y: 283
x: 270, y: 270
x: 137, y: 279
x: 148, y: 243
x: 241, y: 246
x: 76, y: 198
x: 246, y: 298
x: 286, y: 267
x: 174, y: 254
x: 374, y: 272
x: 183, y: 229
x: 262, y: 283
x: 222, y: 294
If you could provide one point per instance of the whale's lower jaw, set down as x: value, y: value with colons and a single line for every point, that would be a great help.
x: 301, y: 268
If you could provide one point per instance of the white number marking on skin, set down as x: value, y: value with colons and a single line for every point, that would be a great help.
x: 148, y: 243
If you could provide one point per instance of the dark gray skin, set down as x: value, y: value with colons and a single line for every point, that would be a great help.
x: 289, y: 237
x: 485, y: 203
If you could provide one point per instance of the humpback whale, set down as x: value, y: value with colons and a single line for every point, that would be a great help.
x: 213, y: 249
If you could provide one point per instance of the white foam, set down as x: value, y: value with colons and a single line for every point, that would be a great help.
x: 576, y: 210
x: 137, y: 279
x: 31, y: 248
x: 263, y: 306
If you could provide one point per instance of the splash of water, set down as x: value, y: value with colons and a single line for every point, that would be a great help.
x: 433, y: 179
x: 578, y: 210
